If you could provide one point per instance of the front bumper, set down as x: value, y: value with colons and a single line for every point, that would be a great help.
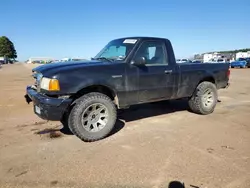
x: 45, y: 107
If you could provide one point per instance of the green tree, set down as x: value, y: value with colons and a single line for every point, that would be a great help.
x: 7, y: 48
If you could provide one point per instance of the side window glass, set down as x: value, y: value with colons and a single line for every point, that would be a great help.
x: 153, y: 52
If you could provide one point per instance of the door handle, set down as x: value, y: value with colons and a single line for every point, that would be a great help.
x: 168, y: 71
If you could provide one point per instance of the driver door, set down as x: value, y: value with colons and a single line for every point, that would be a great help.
x: 154, y: 75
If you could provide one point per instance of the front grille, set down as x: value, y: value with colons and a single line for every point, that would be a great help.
x: 38, y: 78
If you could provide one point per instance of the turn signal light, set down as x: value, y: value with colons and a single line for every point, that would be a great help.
x: 54, y: 85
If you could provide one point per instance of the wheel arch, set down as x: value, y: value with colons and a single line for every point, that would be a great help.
x: 101, y: 88
x: 208, y: 78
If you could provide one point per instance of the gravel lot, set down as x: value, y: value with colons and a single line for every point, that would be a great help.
x: 152, y: 146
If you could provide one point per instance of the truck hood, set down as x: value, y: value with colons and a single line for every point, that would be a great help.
x: 64, y: 65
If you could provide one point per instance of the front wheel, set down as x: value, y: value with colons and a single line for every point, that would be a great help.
x: 204, y: 98
x: 93, y: 117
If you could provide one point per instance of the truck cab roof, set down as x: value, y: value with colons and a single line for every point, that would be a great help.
x: 143, y: 38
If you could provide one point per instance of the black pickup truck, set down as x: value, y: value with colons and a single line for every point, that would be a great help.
x: 127, y: 71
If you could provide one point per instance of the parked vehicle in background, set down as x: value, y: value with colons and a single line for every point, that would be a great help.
x: 7, y: 61
x: 197, y: 61
x: 36, y: 62
x: 219, y: 60
x: 241, y: 63
x: 127, y: 71
x: 248, y: 61
x: 183, y: 61
x: 71, y: 59
x: 4, y: 60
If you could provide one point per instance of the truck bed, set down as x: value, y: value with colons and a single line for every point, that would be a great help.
x: 191, y: 74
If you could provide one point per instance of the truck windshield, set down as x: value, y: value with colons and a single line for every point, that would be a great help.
x: 116, y: 50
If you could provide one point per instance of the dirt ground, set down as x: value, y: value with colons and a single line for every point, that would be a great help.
x: 152, y: 146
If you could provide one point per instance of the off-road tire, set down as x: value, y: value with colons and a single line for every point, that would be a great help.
x: 196, y: 103
x: 74, y: 120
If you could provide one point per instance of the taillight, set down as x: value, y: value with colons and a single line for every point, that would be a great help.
x: 228, y: 73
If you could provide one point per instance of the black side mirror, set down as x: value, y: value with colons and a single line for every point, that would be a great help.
x: 139, y: 61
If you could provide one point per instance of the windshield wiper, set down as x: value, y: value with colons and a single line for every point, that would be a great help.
x: 103, y: 58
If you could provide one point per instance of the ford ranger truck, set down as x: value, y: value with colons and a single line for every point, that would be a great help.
x: 86, y: 95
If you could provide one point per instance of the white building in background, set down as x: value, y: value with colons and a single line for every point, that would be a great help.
x: 40, y: 59
x: 217, y: 57
x: 207, y: 57
x: 242, y: 54
x: 211, y: 57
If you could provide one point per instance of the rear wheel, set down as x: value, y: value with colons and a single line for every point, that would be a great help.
x: 204, y: 98
x: 93, y: 117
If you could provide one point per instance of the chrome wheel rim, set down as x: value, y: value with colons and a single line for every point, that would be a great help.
x: 208, y: 98
x: 95, y: 117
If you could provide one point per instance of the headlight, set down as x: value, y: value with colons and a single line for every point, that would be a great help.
x: 50, y: 84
